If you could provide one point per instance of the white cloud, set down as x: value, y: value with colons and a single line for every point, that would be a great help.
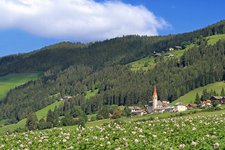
x: 81, y: 20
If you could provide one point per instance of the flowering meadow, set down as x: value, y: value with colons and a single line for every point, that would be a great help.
x: 192, y: 132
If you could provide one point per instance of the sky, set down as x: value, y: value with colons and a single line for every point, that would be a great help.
x: 28, y: 25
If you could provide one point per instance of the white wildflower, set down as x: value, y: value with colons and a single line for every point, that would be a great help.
x: 216, y: 145
x: 193, y: 143
x: 182, y: 146
x: 136, y: 141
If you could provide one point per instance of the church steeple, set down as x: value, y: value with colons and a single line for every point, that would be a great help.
x: 155, y: 92
x: 155, y: 99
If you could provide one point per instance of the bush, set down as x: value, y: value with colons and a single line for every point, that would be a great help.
x: 44, y: 125
x: 93, y: 118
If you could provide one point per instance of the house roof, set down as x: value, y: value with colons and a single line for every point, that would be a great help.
x: 134, y: 107
x: 158, y: 54
x: 179, y: 104
x: 217, y: 97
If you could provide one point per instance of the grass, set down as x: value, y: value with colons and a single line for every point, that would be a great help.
x: 190, y: 96
x: 40, y: 114
x: 149, y: 62
x: 89, y: 94
x: 43, y: 112
x: 143, y: 64
x: 215, y: 38
x: 11, y: 81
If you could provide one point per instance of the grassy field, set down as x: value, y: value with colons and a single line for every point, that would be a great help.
x: 143, y: 64
x: 90, y: 94
x: 147, y: 63
x: 215, y: 38
x: 190, y: 96
x: 11, y: 81
x: 40, y: 114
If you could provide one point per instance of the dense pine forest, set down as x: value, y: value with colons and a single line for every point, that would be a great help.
x: 75, y: 69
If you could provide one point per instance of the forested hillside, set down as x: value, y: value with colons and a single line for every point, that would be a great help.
x: 75, y: 69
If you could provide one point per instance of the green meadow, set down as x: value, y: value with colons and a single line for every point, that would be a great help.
x: 190, y: 96
x: 11, y: 81
x: 215, y: 38
x: 40, y: 114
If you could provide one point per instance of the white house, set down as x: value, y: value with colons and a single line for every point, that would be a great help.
x: 135, y: 110
x: 179, y: 107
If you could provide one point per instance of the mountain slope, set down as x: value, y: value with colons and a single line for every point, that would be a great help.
x: 98, y: 54
x: 102, y: 65
x: 11, y: 81
x: 190, y: 96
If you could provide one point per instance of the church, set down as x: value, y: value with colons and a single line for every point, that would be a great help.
x: 158, y: 105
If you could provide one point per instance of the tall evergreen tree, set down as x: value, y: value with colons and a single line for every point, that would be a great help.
x: 32, y: 121
x: 197, y: 99
x: 222, y: 92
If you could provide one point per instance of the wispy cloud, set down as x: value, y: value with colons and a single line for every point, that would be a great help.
x: 81, y: 20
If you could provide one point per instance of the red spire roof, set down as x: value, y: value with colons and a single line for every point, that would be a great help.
x: 155, y: 92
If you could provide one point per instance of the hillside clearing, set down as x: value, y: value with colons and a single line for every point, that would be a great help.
x: 11, y: 81
x: 215, y: 38
x: 40, y: 114
x: 90, y: 94
x: 190, y: 96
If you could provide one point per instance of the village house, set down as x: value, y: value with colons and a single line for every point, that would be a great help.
x: 206, y: 103
x: 179, y: 107
x: 191, y: 106
x: 171, y: 49
x: 137, y: 111
x: 218, y: 99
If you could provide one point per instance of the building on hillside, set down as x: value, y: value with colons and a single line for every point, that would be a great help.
x: 178, y: 47
x: 171, y: 49
x: 67, y: 97
x: 218, y: 99
x: 169, y: 55
x: 137, y: 111
x: 158, y: 54
x: 179, y: 107
x: 165, y: 103
x: 206, y: 103
x: 191, y: 106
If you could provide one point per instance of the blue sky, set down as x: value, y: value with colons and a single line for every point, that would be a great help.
x: 29, y: 25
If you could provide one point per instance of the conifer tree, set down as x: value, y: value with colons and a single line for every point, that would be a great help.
x: 32, y: 121
x: 222, y: 92
x: 197, y: 99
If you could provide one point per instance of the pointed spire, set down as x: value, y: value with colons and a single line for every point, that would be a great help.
x: 155, y: 92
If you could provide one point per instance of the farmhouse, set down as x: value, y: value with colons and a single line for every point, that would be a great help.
x: 137, y: 111
x: 206, y: 103
x: 158, y: 54
x: 179, y: 107
x: 171, y: 49
x: 219, y: 99
x: 178, y: 47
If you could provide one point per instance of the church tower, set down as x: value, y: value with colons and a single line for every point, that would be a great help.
x: 155, y: 99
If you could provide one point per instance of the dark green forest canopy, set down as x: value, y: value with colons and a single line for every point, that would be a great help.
x: 74, y: 68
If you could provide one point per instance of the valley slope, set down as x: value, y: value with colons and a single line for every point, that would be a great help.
x: 99, y: 74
